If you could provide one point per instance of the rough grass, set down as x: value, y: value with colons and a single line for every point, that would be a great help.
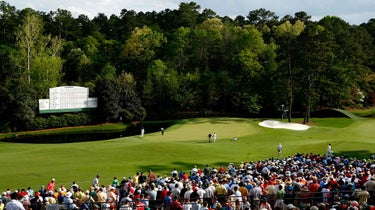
x: 184, y: 145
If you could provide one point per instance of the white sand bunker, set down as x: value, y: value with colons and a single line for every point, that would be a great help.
x: 283, y: 125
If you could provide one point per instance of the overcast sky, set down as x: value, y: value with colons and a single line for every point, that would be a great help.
x: 352, y: 11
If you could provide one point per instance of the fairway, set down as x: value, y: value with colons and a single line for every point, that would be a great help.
x: 183, y: 145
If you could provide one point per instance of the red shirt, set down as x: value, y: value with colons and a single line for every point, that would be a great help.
x: 185, y: 176
x: 140, y: 206
x: 314, y: 187
x: 51, y: 186
x: 163, y: 193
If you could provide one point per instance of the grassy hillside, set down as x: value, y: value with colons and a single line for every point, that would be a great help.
x: 184, y: 145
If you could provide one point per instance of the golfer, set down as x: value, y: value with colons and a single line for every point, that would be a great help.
x: 329, y: 151
x: 279, y: 150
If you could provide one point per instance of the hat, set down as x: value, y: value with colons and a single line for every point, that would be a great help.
x: 290, y: 206
x: 37, y: 194
x: 53, y: 179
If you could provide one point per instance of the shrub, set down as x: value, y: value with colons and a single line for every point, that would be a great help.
x: 58, y: 121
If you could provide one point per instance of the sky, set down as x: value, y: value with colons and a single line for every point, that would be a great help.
x: 354, y: 12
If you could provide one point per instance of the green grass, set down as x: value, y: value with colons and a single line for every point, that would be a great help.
x: 370, y: 112
x: 184, y: 145
x: 333, y: 122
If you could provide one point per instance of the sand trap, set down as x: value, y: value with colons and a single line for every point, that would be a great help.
x: 283, y: 125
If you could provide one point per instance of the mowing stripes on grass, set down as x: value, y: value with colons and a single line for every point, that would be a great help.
x: 183, y: 145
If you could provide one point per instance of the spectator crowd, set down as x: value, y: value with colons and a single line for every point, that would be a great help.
x: 303, y: 181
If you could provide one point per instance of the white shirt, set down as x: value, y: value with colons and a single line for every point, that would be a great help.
x: 14, y: 205
x: 238, y: 195
x: 95, y: 182
x: 279, y: 148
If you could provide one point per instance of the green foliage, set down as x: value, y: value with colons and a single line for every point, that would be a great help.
x: 288, y: 29
x: 185, y: 59
x: 65, y: 120
x: 108, y: 72
x: 117, y: 100
x: 20, y: 112
x: 161, y: 87
x: 142, y: 44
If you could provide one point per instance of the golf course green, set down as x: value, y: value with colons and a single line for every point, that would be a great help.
x: 182, y: 146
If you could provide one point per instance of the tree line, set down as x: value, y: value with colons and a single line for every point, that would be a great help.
x: 157, y: 64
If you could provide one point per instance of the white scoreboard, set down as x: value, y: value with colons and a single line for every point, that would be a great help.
x: 67, y: 99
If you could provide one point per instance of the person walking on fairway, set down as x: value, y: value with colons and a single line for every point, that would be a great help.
x: 214, y: 137
x: 329, y: 151
x: 209, y: 137
x: 279, y: 150
x: 142, y: 132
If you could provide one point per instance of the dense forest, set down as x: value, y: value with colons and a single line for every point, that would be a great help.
x: 158, y: 65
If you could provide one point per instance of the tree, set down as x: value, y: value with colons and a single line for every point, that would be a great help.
x: 315, y: 56
x: 161, y: 87
x: 142, y: 43
x: 351, y: 70
x: 188, y: 14
x: 141, y: 48
x: 107, y: 72
x: 128, y: 21
x: 101, y: 21
x: 131, y: 105
x: 8, y: 21
x: 28, y: 36
x: 40, y: 54
x: 261, y: 17
x: 302, y: 16
x: 86, y: 26
x: 207, y: 13
x: 117, y: 99
x: 178, y: 48
x: 240, y: 20
x: 77, y: 65
x: 21, y: 106
x: 206, y: 43
x: 288, y: 32
x: 61, y: 23
x: 250, y: 49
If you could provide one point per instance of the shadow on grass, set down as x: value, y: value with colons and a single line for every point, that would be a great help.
x: 181, y: 166
x: 187, y: 166
x: 359, y: 154
x: 215, y: 120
